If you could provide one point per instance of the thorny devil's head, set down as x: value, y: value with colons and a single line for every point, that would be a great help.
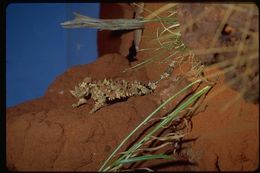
x: 103, y: 91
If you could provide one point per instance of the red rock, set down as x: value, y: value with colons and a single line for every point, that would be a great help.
x: 48, y: 134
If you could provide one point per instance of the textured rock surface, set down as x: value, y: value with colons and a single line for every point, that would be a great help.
x: 48, y: 134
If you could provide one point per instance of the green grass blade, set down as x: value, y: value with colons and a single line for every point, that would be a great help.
x: 145, y: 121
x: 146, y: 157
x: 167, y: 120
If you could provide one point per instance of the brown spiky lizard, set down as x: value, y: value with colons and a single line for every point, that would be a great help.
x: 109, y: 90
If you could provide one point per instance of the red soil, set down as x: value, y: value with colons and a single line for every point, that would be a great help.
x: 48, y: 134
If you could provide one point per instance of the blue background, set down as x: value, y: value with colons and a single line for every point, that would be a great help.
x: 38, y: 49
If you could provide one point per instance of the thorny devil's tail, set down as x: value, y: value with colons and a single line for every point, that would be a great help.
x: 109, y: 90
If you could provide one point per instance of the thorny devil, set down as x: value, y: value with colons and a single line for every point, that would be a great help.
x: 109, y: 90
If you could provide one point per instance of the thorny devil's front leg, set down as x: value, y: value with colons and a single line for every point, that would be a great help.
x: 98, y: 104
x: 107, y: 90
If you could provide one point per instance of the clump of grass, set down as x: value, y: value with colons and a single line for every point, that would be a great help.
x: 170, y: 48
x: 170, y: 43
x: 173, y: 45
x: 239, y: 60
x: 177, y: 53
x: 132, y: 154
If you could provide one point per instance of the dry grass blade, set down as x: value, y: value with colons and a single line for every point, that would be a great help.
x: 157, y: 147
x: 81, y: 21
x: 170, y: 137
x: 160, y: 10
x: 221, y: 89
x: 190, y: 23
x: 241, y: 8
x: 141, y: 169
x: 148, y: 61
x: 220, y: 50
x: 228, y: 62
x: 242, y: 43
x: 231, y: 102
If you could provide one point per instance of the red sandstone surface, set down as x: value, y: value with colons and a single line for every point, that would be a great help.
x: 47, y: 134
